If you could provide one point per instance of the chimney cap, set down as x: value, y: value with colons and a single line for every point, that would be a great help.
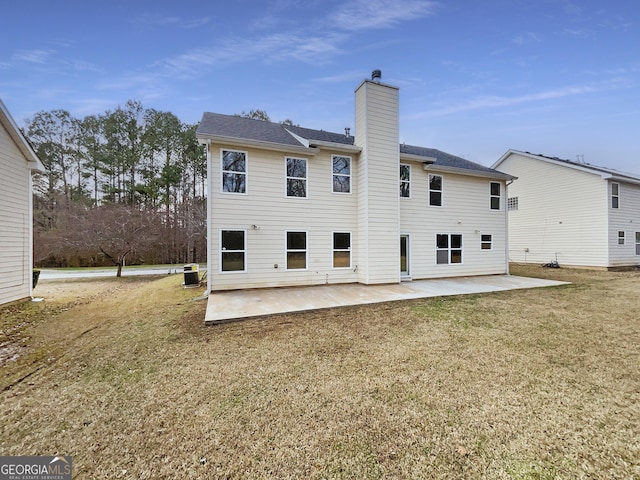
x: 376, y: 75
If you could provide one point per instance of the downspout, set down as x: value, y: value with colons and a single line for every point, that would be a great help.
x: 209, y: 210
x: 506, y: 225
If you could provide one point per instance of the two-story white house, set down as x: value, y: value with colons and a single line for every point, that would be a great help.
x: 17, y: 161
x: 295, y: 206
x: 581, y: 214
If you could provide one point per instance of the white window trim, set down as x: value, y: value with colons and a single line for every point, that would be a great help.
x: 616, y: 196
x: 441, y: 190
x: 306, y: 251
x: 246, y: 171
x: 405, y: 181
x: 499, y: 197
x: 449, y: 249
x: 333, y: 249
x: 287, y: 177
x: 350, y: 175
x: 622, y: 237
x: 220, y: 251
x: 490, y: 242
x: 637, y: 243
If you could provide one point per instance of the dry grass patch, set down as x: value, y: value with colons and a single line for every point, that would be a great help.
x: 533, y: 384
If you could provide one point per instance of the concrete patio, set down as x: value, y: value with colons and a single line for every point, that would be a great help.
x: 233, y: 305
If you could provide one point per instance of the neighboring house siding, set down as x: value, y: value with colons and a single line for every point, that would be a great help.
x: 626, y: 218
x: 561, y: 211
x: 466, y: 211
x: 15, y: 275
x: 273, y: 213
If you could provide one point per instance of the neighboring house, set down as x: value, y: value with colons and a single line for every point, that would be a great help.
x: 585, y: 215
x: 295, y: 206
x: 17, y: 161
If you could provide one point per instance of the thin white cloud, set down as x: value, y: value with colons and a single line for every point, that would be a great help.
x: 33, y: 56
x: 370, y: 14
x: 494, y: 101
x: 174, y: 21
x: 526, y: 38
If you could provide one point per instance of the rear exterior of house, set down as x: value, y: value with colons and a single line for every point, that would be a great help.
x: 17, y: 161
x: 583, y: 215
x: 291, y: 206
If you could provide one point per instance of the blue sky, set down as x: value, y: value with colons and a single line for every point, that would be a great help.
x: 476, y: 77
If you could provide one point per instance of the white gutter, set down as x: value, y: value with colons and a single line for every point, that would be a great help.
x: 243, y: 142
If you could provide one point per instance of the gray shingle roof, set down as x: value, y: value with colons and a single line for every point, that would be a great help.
x: 611, y: 171
x: 216, y: 124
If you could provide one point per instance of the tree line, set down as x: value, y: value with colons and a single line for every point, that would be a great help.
x: 126, y: 186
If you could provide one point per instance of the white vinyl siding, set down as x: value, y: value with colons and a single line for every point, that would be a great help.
x: 15, y: 221
x: 561, y: 210
x: 625, y: 218
x: 466, y: 213
x: 266, y: 214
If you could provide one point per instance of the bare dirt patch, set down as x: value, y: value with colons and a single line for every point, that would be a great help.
x: 533, y: 384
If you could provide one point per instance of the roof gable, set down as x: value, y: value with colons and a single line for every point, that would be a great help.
x: 10, y: 125
x: 604, y: 172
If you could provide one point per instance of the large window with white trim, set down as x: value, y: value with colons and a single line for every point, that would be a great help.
x: 296, y: 250
x: 232, y: 251
x: 615, y: 195
x: 234, y: 171
x: 435, y: 190
x: 448, y: 248
x: 495, y: 195
x: 341, y: 249
x: 296, y: 171
x: 486, y: 242
x: 341, y: 174
x: 405, y: 180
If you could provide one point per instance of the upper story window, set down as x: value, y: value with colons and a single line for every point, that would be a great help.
x: 615, y: 195
x: 341, y: 174
x: 495, y: 196
x: 405, y: 180
x: 296, y: 177
x: 435, y: 190
x: 512, y: 203
x: 234, y: 171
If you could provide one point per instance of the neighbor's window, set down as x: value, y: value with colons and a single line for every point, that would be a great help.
x: 435, y: 190
x: 495, y: 196
x: 296, y: 177
x: 405, y: 181
x: 615, y: 195
x: 512, y: 203
x: 621, y: 237
x: 232, y: 251
x: 637, y: 243
x: 341, y: 250
x: 341, y: 174
x: 296, y: 250
x: 234, y: 171
x: 448, y: 248
x: 486, y: 242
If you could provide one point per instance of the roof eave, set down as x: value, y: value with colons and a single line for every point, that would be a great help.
x: 245, y: 142
x: 344, y: 147
x: 417, y: 158
x: 467, y: 172
x: 33, y: 162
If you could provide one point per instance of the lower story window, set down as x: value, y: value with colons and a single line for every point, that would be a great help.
x: 637, y: 243
x: 341, y: 250
x: 448, y: 248
x: 486, y: 242
x: 621, y: 237
x: 296, y: 250
x: 232, y: 251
